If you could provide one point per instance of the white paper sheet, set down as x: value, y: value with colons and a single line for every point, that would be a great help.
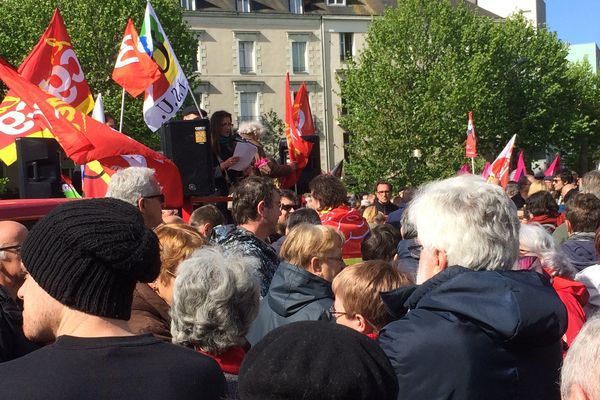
x: 246, y: 152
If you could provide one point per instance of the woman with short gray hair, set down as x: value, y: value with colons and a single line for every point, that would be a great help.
x: 215, y: 299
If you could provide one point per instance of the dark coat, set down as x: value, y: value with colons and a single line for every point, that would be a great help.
x: 237, y: 239
x: 395, y: 216
x: 479, y: 335
x: 407, y: 262
x: 295, y: 295
x: 150, y: 313
x: 386, y: 209
x: 580, y: 249
x: 13, y: 343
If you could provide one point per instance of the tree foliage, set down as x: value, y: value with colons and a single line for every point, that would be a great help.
x: 427, y: 64
x: 96, y: 30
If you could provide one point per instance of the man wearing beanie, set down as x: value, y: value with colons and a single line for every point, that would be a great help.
x: 314, y: 360
x: 83, y: 261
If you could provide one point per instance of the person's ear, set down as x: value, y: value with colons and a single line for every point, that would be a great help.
x: 141, y: 204
x: 260, y: 208
x: 577, y: 393
x: 314, y: 266
x: 441, y: 262
x: 361, y: 324
x: 569, y: 227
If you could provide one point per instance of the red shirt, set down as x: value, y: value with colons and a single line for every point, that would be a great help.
x: 352, y: 224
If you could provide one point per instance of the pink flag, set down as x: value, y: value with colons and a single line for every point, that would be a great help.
x: 486, y: 170
x: 500, y: 167
x: 471, y: 147
x: 465, y: 169
x: 521, y: 170
x: 554, y: 168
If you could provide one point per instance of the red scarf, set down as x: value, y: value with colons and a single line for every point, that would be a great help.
x: 348, y: 221
x: 229, y: 361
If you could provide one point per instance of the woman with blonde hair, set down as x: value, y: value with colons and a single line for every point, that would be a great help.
x: 373, y: 216
x: 152, y: 302
x: 301, y: 287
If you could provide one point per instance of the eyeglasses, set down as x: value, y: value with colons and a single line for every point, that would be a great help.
x: 160, y: 197
x: 384, y: 192
x: 336, y: 314
x: 415, y: 251
x: 12, y: 249
x: 288, y: 207
x: 339, y: 259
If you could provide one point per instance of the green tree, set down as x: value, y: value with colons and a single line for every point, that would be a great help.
x: 96, y: 30
x: 425, y: 66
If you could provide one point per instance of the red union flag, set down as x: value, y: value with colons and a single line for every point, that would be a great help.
x: 53, y: 66
x: 500, y: 167
x: 471, y: 148
x: 85, y: 139
x: 134, y: 69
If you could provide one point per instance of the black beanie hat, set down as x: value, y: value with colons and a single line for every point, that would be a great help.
x: 89, y: 254
x: 312, y: 360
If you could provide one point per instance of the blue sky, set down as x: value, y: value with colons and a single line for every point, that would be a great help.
x: 575, y: 21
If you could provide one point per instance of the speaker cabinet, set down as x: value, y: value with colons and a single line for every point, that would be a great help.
x: 38, y: 161
x: 187, y: 144
x: 313, y: 167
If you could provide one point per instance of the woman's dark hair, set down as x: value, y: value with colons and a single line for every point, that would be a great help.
x: 329, y: 190
x: 215, y: 128
x: 541, y: 203
x: 381, y: 243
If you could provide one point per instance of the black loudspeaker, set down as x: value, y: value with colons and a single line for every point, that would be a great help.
x: 312, y: 169
x: 187, y: 143
x: 38, y: 161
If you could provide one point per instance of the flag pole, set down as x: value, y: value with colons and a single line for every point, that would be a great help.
x: 195, y: 102
x: 473, y: 165
x: 122, y: 108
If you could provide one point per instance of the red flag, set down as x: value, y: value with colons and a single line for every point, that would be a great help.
x: 134, y: 69
x: 85, y: 139
x: 471, y: 148
x: 53, y: 66
x: 298, y: 122
x: 554, y: 168
x: 521, y: 170
x: 500, y: 167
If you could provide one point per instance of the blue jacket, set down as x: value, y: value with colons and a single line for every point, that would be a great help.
x: 580, y: 249
x: 295, y: 295
x: 478, y: 335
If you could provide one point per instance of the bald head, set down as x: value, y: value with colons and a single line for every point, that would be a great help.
x: 12, y: 235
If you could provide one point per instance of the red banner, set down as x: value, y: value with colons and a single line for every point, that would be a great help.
x: 471, y: 148
x: 134, y: 69
x: 85, y: 139
x: 53, y: 66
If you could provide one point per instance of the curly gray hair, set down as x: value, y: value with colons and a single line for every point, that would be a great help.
x: 132, y: 183
x: 535, y: 239
x: 215, y: 299
x: 251, y: 129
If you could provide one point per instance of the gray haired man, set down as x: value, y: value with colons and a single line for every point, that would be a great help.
x: 474, y: 329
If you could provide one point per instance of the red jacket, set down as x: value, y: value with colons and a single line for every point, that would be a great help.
x: 352, y: 224
x: 574, y: 296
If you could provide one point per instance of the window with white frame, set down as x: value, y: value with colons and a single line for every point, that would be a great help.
x: 246, y: 56
x: 188, y: 4
x: 346, y: 46
x: 299, y: 57
x: 296, y: 6
x: 248, y: 106
x: 336, y: 2
x: 243, y: 5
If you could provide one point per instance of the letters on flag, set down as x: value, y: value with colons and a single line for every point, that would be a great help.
x: 134, y: 69
x: 85, y: 139
x: 165, y: 96
x: 500, y: 167
x: 53, y: 66
x: 471, y: 148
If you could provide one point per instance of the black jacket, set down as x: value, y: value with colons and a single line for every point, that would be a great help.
x: 295, y: 295
x: 479, y: 335
x: 387, y: 209
x: 13, y: 343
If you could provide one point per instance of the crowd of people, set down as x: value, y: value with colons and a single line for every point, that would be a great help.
x: 458, y: 289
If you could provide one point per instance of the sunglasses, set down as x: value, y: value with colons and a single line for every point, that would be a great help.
x: 288, y: 207
x: 12, y: 249
x: 160, y: 197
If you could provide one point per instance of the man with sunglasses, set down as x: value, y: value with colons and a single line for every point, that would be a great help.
x: 138, y: 186
x: 289, y: 204
x: 12, y: 341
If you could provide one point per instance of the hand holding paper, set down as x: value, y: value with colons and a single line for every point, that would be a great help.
x: 246, y: 152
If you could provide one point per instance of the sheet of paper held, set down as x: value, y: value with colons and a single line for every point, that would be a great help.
x: 246, y: 152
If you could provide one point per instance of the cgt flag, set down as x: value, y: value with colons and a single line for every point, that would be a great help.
x: 500, y: 167
x: 53, y: 66
x: 471, y: 148
x: 165, y: 96
x: 134, y: 70
x: 84, y: 139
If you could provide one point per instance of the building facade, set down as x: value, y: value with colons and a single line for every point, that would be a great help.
x: 585, y: 51
x: 533, y: 10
